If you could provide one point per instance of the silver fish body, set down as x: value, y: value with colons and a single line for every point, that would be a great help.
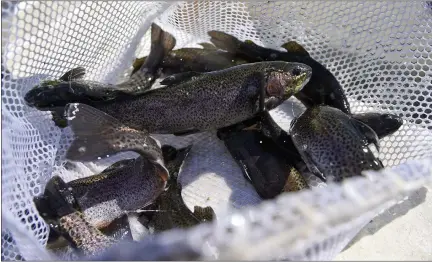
x: 211, y: 100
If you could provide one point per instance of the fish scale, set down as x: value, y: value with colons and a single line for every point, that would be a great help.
x: 208, y: 101
x: 331, y: 143
x: 134, y: 185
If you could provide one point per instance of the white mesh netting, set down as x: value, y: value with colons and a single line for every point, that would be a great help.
x: 381, y: 53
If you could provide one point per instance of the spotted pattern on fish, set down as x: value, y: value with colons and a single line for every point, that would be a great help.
x: 295, y: 181
x: 109, y: 195
x: 332, y: 144
x: 209, y: 101
x: 86, y: 237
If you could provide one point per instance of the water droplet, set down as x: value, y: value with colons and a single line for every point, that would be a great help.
x: 82, y: 149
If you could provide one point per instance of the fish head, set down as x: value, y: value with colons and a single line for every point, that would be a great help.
x: 43, y: 95
x: 283, y: 79
x: 391, y: 122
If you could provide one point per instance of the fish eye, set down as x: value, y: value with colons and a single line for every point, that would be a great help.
x: 296, y: 71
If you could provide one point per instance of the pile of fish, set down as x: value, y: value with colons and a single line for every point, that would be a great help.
x: 228, y: 86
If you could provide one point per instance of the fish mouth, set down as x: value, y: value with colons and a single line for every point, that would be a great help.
x: 298, y: 83
x: 302, y: 80
x: 301, y: 74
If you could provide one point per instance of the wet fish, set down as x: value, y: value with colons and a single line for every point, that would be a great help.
x: 182, y: 60
x: 118, y: 230
x: 61, y: 211
x: 71, y: 87
x: 193, y: 102
x: 124, y: 186
x: 323, y: 87
x: 334, y: 145
x: 383, y: 124
x: 266, y: 155
x: 170, y: 210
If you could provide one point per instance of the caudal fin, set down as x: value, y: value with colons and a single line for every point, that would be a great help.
x: 161, y: 44
x: 57, y: 200
x: 97, y: 135
x: 145, y: 70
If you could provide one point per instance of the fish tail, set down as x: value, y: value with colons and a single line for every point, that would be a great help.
x: 97, y: 135
x: 56, y: 201
x: 168, y: 42
x: 161, y: 44
x: 146, y: 69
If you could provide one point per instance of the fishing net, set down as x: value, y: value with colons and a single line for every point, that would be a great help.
x: 380, y: 52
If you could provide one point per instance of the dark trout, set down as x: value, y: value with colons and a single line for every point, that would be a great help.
x: 334, y: 145
x: 264, y: 162
x: 323, y: 87
x: 71, y: 87
x: 268, y: 157
x: 182, y: 60
x: 126, y: 185
x: 61, y: 211
x: 169, y: 210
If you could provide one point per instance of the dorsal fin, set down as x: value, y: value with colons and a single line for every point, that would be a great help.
x: 73, y: 74
x: 180, y: 77
x: 296, y: 48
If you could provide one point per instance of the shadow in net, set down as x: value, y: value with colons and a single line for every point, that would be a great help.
x: 398, y: 210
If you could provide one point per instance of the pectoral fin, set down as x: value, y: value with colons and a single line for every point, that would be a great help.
x: 367, y: 132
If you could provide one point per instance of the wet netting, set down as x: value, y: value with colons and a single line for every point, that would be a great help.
x: 380, y: 52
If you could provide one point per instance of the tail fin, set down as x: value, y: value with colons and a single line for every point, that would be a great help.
x: 161, y: 44
x: 57, y: 200
x: 144, y: 73
x: 98, y: 135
